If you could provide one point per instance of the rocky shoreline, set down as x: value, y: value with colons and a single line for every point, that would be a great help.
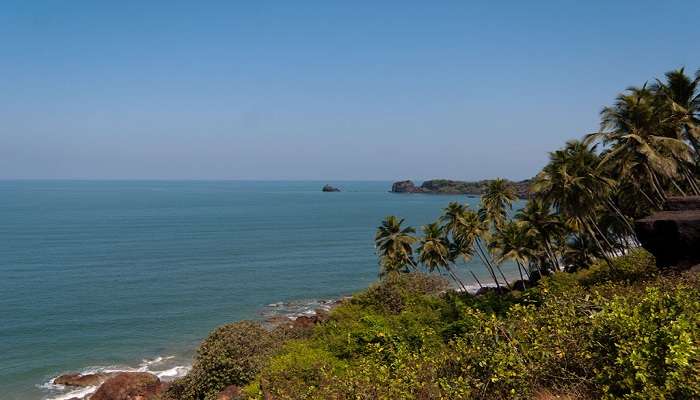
x: 144, y: 384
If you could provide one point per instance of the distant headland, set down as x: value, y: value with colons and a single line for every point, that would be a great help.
x: 446, y: 186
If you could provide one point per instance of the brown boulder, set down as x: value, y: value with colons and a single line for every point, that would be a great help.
x: 129, y: 386
x: 80, y: 380
x: 673, y: 235
x: 231, y: 392
x: 682, y: 203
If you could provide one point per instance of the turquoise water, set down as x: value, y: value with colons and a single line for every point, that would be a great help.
x: 111, y: 273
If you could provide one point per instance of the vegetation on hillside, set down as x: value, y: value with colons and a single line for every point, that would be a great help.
x: 591, y: 316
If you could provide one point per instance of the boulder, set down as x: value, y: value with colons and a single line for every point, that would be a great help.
x: 80, y: 380
x: 673, y: 235
x: 682, y: 203
x: 405, y: 187
x: 231, y: 392
x: 129, y: 386
x: 329, y: 188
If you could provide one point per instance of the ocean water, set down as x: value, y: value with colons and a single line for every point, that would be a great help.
x: 113, y: 275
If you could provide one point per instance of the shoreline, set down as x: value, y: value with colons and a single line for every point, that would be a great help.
x: 173, y: 366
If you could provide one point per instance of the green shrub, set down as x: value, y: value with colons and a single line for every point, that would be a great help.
x: 648, y: 346
x: 635, y: 266
x: 398, y: 291
x: 232, y: 355
x: 298, y: 372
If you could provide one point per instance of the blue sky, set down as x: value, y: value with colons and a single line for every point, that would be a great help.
x: 323, y: 90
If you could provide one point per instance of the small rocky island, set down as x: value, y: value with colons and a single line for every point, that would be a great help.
x: 329, y: 188
x: 446, y: 186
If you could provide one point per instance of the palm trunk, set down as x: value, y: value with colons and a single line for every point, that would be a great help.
x: 624, y: 220
x: 521, y: 273
x: 678, y: 188
x: 455, y: 278
x: 691, y: 181
x: 476, y: 279
x: 600, y: 247
x: 486, y: 262
x: 550, y: 253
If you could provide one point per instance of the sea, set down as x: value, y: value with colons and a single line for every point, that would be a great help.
x: 132, y: 275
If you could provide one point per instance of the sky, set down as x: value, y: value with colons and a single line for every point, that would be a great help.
x: 318, y: 90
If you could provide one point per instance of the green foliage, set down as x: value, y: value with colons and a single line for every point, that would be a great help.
x: 232, y: 355
x: 594, y: 334
x: 648, y: 346
x: 394, y: 293
x: 635, y: 266
x: 298, y: 371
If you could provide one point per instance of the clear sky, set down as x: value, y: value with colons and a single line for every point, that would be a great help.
x: 325, y: 90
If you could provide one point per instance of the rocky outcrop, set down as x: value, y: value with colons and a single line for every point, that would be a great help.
x: 129, y: 386
x: 329, y: 188
x: 673, y: 235
x: 404, y: 187
x: 446, y: 186
x: 80, y: 380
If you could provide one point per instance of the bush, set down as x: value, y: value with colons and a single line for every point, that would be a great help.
x: 297, y: 372
x: 398, y: 291
x: 232, y: 355
x: 635, y: 266
x: 648, y: 346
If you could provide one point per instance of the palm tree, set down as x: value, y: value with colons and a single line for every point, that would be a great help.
x: 642, y: 144
x: 680, y: 98
x: 574, y: 185
x: 683, y: 96
x: 497, y: 199
x: 394, y: 246
x: 467, y: 229
x: 512, y: 243
x: 542, y: 225
x: 434, y: 251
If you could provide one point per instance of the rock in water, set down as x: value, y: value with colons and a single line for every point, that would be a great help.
x: 129, y: 386
x: 329, y: 188
x: 673, y: 235
x: 80, y: 380
x: 404, y: 187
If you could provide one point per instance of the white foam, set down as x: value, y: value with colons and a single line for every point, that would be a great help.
x: 165, y: 373
x: 79, y: 393
x: 173, y: 373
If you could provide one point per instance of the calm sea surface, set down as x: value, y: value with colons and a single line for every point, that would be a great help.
x: 133, y: 274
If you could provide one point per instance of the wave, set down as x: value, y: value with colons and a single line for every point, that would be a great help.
x: 162, y: 367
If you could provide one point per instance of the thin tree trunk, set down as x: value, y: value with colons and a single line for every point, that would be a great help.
x: 550, y: 253
x: 482, y: 254
x: 673, y: 181
x: 476, y: 279
x: 624, y: 220
x: 456, y: 278
x: 521, y: 274
x: 600, y: 247
x: 654, y: 204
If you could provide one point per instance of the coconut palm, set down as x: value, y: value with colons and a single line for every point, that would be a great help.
x: 434, y: 251
x: 511, y: 242
x: 574, y: 185
x: 496, y: 200
x: 680, y: 99
x: 394, y: 245
x: 467, y: 230
x: 642, y: 145
x: 683, y: 96
x: 543, y: 226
